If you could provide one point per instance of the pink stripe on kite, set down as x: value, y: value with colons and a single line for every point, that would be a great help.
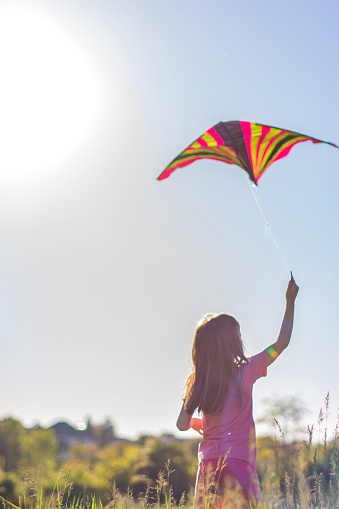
x: 186, y: 162
x: 285, y: 151
x: 215, y: 156
x: 247, y: 132
x: 165, y: 174
x: 202, y: 142
x: 216, y: 136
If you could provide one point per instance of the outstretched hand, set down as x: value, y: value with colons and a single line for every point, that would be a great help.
x: 292, y: 290
x: 196, y: 424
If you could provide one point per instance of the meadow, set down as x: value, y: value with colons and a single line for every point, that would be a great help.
x: 159, y: 472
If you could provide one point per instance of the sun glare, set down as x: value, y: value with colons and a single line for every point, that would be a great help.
x: 51, y: 90
x: 80, y: 426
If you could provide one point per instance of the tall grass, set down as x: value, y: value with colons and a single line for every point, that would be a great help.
x: 298, y: 475
x: 159, y: 496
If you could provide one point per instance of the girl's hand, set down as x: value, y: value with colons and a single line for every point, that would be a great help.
x: 292, y: 291
x: 196, y: 424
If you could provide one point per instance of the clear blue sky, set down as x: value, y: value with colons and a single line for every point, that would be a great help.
x: 104, y: 270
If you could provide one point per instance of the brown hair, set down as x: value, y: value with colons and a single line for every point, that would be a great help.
x: 217, y: 352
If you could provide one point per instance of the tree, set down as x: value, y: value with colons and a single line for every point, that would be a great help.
x: 104, y: 433
x: 94, y: 469
x: 116, y: 464
x: 284, y: 415
x: 12, y: 434
x: 155, y: 456
x: 39, y: 455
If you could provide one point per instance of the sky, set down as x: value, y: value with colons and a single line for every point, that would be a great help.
x: 104, y: 270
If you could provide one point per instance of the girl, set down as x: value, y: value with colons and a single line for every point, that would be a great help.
x: 220, y: 387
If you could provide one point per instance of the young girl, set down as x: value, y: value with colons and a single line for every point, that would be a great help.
x: 220, y: 387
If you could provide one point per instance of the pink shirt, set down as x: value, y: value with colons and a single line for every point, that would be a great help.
x: 231, y: 431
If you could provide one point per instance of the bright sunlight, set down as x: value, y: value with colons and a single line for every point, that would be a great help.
x: 52, y: 91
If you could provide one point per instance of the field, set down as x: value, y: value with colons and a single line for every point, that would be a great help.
x: 159, y: 472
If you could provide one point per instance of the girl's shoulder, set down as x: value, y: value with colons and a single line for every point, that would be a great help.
x: 255, y: 368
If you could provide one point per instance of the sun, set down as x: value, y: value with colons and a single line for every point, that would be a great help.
x: 52, y: 90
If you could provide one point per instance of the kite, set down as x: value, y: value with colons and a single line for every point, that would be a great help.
x: 253, y: 147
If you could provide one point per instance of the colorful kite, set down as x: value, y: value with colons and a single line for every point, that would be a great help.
x: 253, y: 147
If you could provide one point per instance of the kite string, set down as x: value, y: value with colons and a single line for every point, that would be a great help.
x: 268, y: 229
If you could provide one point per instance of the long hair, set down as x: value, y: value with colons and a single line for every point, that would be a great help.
x: 217, y: 352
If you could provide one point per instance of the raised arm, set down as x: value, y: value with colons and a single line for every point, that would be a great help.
x: 273, y: 351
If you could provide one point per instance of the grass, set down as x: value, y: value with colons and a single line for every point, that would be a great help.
x: 293, y: 476
x: 160, y: 496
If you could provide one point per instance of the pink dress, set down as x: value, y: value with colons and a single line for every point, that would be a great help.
x: 231, y: 431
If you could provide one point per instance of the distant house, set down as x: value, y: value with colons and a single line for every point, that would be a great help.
x: 66, y: 436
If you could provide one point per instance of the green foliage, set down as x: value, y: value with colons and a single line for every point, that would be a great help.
x: 10, y: 486
x: 103, y: 433
x: 94, y: 468
x: 11, y: 438
x: 116, y: 464
x: 39, y: 456
x: 158, y: 471
x: 153, y: 457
